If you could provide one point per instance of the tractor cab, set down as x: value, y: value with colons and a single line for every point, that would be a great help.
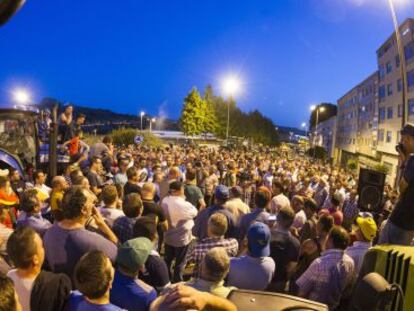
x: 18, y: 139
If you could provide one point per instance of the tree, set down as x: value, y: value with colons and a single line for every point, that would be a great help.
x: 210, y: 119
x: 209, y: 114
x: 193, y: 115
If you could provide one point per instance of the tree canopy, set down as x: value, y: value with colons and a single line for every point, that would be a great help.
x: 209, y: 114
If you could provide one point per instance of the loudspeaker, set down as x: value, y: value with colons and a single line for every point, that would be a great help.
x: 246, y: 300
x: 370, y: 190
x: 396, y: 264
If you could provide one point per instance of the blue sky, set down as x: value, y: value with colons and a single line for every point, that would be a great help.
x: 134, y: 55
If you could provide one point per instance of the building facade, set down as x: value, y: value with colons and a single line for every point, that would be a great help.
x: 326, y: 136
x: 370, y: 115
x: 390, y: 93
x: 357, y: 124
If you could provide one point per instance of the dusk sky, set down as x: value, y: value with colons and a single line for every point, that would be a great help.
x: 133, y: 55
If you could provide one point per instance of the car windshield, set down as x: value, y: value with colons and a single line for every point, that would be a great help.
x: 17, y: 137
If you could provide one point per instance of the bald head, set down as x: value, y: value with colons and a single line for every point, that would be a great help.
x: 59, y: 183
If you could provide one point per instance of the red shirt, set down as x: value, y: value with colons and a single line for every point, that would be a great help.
x: 336, y: 214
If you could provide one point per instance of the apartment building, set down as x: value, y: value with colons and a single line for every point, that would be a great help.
x: 357, y: 124
x: 390, y: 93
x: 326, y: 135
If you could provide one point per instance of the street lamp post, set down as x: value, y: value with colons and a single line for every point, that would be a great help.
x: 318, y: 109
x: 305, y: 128
x: 231, y: 86
x: 401, y: 56
x: 142, y: 115
x: 152, y: 120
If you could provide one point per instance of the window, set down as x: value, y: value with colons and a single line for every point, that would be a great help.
x: 410, y: 107
x: 389, y: 89
x: 381, y: 92
x: 389, y: 136
x: 399, y: 85
x: 409, y: 51
x: 381, y: 72
x: 410, y: 78
x: 397, y: 61
x: 389, y: 67
x: 381, y: 135
x: 389, y: 113
x: 381, y: 113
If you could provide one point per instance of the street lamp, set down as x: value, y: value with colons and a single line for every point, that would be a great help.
x: 151, y: 121
x: 142, y: 115
x: 318, y: 109
x: 21, y: 96
x: 231, y: 86
x: 304, y: 127
x: 401, y: 56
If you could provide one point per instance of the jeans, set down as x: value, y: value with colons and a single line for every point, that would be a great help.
x: 177, y: 253
x: 392, y: 234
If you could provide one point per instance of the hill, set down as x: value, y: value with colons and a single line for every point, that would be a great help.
x: 99, y: 118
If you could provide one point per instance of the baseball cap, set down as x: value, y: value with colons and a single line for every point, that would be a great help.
x: 134, y: 253
x: 258, y: 240
x: 222, y: 192
x: 368, y: 227
x: 408, y: 130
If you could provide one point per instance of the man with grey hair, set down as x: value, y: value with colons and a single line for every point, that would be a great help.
x: 214, y: 269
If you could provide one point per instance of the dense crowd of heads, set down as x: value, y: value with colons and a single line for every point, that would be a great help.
x: 134, y: 227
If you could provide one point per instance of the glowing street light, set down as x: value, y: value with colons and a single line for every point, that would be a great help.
x: 305, y: 128
x: 142, y: 114
x: 231, y: 87
x: 152, y: 121
x: 21, y: 96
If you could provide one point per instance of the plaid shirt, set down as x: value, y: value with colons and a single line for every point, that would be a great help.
x: 197, y: 252
x: 327, y: 278
x: 123, y: 228
x: 350, y: 209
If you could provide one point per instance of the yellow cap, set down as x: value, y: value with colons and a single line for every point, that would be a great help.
x: 368, y: 227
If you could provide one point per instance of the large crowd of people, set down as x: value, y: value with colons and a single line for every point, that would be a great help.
x: 180, y: 227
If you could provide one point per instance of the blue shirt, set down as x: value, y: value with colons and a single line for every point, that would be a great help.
x: 78, y: 303
x: 252, y: 273
x: 257, y: 215
x: 123, y: 228
x: 131, y: 293
x: 36, y: 222
x: 201, y: 222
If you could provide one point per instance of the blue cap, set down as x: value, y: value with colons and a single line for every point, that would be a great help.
x: 222, y: 192
x: 258, y: 240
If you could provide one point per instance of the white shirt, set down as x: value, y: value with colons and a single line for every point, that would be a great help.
x: 111, y: 214
x: 45, y: 190
x: 23, y: 288
x: 180, y: 215
x: 357, y: 252
x: 279, y: 201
